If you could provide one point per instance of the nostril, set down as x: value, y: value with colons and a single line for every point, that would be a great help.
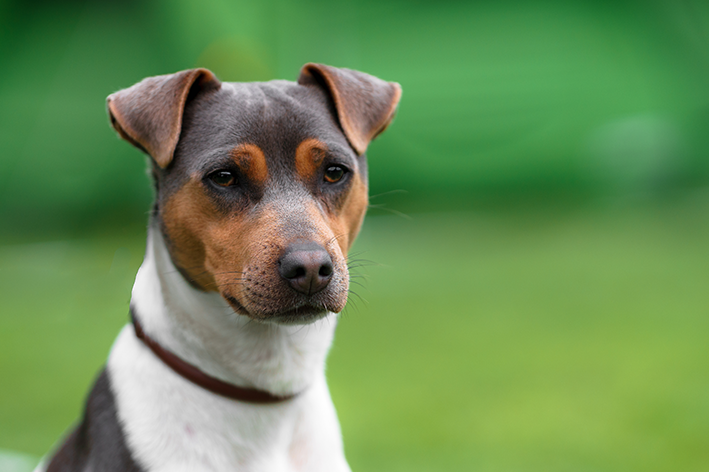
x: 291, y: 268
x: 325, y: 270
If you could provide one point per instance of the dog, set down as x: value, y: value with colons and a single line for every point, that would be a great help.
x: 260, y: 190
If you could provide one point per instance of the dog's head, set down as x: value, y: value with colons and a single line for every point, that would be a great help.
x: 261, y: 187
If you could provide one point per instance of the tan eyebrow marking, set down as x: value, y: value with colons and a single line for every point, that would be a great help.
x: 308, y: 157
x: 252, y: 161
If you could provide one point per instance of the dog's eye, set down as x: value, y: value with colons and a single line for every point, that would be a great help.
x: 334, y: 174
x: 223, y: 178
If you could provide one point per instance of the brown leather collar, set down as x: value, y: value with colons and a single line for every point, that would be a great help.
x: 194, y: 375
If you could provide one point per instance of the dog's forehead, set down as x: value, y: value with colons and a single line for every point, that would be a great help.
x: 275, y: 116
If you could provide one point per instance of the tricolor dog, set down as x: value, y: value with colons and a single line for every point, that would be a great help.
x: 260, y: 190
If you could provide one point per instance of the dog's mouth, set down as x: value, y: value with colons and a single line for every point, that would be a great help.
x: 303, y: 314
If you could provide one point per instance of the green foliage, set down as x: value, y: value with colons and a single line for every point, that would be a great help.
x: 502, y: 100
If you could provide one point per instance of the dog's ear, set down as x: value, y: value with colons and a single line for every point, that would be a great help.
x: 149, y: 114
x: 365, y: 104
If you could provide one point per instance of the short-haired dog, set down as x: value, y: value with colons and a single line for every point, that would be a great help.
x: 260, y: 190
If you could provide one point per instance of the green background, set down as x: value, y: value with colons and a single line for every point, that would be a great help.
x: 535, y: 291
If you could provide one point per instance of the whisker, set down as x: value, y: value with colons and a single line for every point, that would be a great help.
x: 352, y: 292
x: 359, y: 265
x: 395, y: 212
x: 351, y: 261
x: 390, y: 192
x: 335, y: 238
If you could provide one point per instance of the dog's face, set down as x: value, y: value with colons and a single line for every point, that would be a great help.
x: 261, y: 187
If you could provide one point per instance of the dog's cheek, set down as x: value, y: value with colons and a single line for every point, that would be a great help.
x: 347, y: 220
x: 188, y: 218
x: 243, y: 254
x: 228, y: 256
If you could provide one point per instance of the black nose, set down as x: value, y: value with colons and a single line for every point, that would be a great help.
x: 307, y: 267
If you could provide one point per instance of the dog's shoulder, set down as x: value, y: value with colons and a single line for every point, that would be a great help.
x: 98, y: 442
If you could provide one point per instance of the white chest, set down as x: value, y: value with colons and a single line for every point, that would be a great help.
x: 171, y: 424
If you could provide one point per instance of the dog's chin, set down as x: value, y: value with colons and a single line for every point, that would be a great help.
x: 298, y: 316
x: 301, y: 315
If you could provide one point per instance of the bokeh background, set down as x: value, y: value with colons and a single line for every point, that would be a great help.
x: 535, y: 265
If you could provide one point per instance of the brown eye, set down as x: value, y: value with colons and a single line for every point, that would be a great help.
x: 334, y: 174
x: 223, y: 178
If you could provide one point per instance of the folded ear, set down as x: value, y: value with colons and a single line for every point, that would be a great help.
x: 365, y: 104
x: 149, y: 114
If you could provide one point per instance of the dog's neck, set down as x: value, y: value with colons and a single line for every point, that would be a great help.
x: 203, y: 330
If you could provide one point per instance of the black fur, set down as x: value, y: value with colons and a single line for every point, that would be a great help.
x: 98, y: 443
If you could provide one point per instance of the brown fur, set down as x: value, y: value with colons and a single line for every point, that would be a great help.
x: 308, y: 157
x: 237, y: 254
x: 348, y: 221
x: 252, y: 162
x: 278, y: 138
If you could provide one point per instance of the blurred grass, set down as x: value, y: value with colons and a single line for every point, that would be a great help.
x: 533, y: 340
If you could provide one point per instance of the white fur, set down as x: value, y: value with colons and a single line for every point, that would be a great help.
x: 174, y: 425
